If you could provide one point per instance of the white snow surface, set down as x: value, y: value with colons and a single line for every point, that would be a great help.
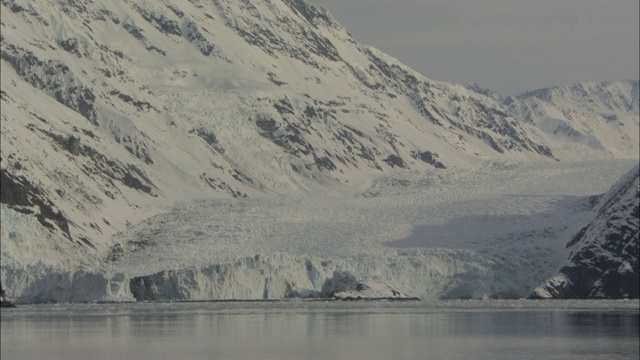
x: 585, y: 119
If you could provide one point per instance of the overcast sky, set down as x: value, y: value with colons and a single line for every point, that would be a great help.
x: 506, y: 45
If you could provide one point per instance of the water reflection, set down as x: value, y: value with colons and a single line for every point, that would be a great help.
x: 223, y: 331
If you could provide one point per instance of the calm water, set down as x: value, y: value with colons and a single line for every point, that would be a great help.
x: 324, y: 330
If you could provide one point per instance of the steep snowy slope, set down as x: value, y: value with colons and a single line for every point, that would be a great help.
x: 113, y: 112
x: 604, y: 254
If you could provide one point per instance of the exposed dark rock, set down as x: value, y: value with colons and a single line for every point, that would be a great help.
x: 139, y: 104
x: 325, y: 163
x: 70, y: 45
x: 219, y: 184
x: 21, y: 195
x: 309, y: 11
x: 193, y: 34
x: 130, y: 176
x: 310, y: 112
x: 268, y: 125
x: 322, y: 46
x: 86, y: 242
x: 135, y: 31
x: 133, y: 182
x: 73, y: 145
x: 208, y: 136
x: 176, y: 11
x: 241, y: 177
x: 395, y: 160
x: 16, y: 8
x: 156, y: 49
x: 309, y: 43
x: 104, y: 14
x: 284, y: 106
x: 54, y: 78
x: 274, y: 79
x: 115, y: 254
x: 429, y: 158
x: 160, y: 21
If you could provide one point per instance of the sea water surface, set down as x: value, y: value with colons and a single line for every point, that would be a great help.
x: 492, y: 329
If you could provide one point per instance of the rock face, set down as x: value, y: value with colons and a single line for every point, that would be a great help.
x: 604, y: 254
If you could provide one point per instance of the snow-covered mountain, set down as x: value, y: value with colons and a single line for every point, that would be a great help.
x: 604, y: 254
x: 113, y: 112
x: 583, y: 120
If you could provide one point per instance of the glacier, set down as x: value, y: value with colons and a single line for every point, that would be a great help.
x: 457, y: 235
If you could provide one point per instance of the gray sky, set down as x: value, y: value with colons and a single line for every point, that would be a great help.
x: 506, y: 45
